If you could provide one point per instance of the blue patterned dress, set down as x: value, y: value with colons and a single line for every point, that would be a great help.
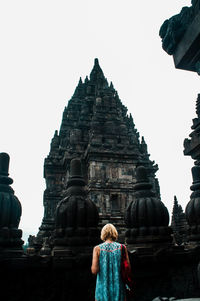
x: 109, y: 285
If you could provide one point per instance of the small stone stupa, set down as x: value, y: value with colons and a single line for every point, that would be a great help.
x: 193, y: 208
x: 146, y: 217
x: 76, y: 216
x: 10, y: 213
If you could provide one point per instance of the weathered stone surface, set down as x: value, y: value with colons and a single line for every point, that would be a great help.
x: 174, y: 28
x: 187, y: 53
x: 181, y: 37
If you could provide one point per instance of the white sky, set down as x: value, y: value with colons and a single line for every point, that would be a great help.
x: 47, y: 45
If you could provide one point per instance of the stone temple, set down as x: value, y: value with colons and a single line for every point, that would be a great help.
x: 99, y: 171
x: 96, y: 129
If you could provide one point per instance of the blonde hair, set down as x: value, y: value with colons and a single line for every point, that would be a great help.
x: 109, y: 231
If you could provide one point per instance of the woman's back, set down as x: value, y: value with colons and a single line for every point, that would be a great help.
x: 109, y: 286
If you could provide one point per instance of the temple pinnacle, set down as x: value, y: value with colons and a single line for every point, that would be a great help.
x: 96, y: 61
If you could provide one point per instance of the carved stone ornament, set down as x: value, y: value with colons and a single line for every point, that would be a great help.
x: 76, y: 216
x: 180, y: 36
x: 146, y: 217
x: 10, y: 213
x: 193, y: 207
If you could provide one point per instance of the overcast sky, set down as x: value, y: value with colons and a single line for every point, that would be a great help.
x: 47, y: 45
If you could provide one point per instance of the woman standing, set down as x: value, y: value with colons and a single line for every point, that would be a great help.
x: 106, y: 263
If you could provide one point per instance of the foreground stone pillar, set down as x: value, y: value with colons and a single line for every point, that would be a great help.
x: 10, y: 213
x: 193, y: 208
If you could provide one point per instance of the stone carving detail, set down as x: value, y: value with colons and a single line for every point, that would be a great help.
x: 174, y: 28
x: 180, y: 37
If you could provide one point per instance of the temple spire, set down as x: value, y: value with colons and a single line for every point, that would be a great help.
x: 96, y: 75
x: 86, y: 80
x: 80, y: 81
x: 96, y: 62
x: 111, y: 85
x: 79, y: 89
x: 178, y: 224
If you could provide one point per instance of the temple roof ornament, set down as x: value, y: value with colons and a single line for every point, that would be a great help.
x: 146, y: 217
x: 76, y: 216
x: 191, y: 146
x: 179, y: 224
x: 96, y: 74
x: 10, y: 213
x: 193, y: 207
